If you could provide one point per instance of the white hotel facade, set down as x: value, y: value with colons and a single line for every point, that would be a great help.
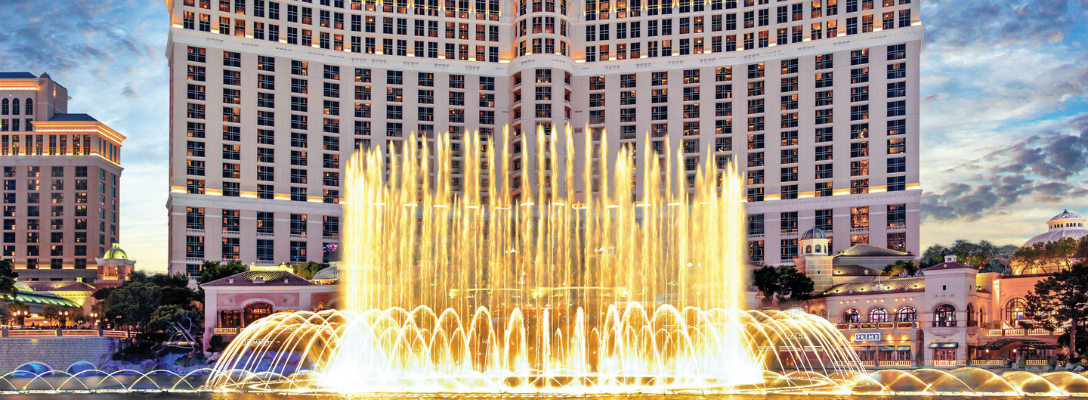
x: 818, y: 100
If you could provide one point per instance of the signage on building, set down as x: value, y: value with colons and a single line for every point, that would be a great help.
x: 867, y: 337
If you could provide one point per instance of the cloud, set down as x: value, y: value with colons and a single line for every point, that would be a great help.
x: 960, y: 23
x: 1048, y: 167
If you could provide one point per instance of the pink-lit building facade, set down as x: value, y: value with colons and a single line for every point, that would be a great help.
x: 61, y: 181
x: 952, y: 315
x: 818, y: 101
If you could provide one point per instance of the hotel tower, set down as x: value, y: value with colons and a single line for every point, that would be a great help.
x: 61, y: 181
x: 817, y: 100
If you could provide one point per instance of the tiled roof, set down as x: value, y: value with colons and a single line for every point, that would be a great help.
x: 865, y: 250
x: 60, y: 286
x: 17, y: 75
x: 854, y: 270
x: 72, y: 118
x: 948, y: 265
x: 261, y: 278
x: 877, y: 286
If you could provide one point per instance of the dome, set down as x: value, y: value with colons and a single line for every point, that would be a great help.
x: 865, y: 250
x: 814, y: 233
x: 1066, y: 215
x: 327, y: 274
x: 1064, y: 225
x: 115, y: 252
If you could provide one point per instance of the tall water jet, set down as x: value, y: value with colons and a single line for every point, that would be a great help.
x: 597, y: 285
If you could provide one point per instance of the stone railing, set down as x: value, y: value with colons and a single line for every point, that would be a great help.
x: 885, y: 325
x: 946, y: 363
x: 987, y: 362
x: 37, y: 333
x: 1025, y: 332
x: 225, y: 331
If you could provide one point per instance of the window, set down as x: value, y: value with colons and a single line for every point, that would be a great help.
x: 897, y: 215
x: 788, y: 249
x: 788, y: 224
x: 944, y: 316
x: 897, y: 146
x: 897, y: 165
x: 859, y: 218
x: 851, y: 316
x: 265, y: 250
x: 906, y: 314
x: 878, y: 314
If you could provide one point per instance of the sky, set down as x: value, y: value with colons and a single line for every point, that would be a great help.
x: 1004, y: 114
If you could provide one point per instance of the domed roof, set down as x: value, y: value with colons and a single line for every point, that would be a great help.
x: 865, y: 250
x: 1064, y: 225
x: 1066, y: 215
x: 1055, y: 235
x: 814, y: 233
x: 115, y: 252
x: 327, y: 274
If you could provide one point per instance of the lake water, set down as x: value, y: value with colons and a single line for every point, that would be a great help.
x: 254, y: 396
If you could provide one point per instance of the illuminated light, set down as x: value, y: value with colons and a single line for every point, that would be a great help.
x: 841, y: 192
x: 179, y: 26
x: 374, y: 204
x: 610, y: 206
x: 248, y: 195
x: 411, y: 205
x: 580, y: 61
x: 878, y: 189
x: 805, y: 195
x: 21, y: 88
x: 914, y: 186
x: 772, y: 197
x: 558, y: 204
x: 527, y: 204
x: 284, y: 41
x: 440, y: 206
x: 317, y: 46
x: 806, y: 39
x: 249, y: 36
x: 215, y: 30
x: 282, y: 196
x: 504, y: 61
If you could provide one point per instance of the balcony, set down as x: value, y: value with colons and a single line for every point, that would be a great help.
x: 885, y: 325
x: 859, y: 230
x: 1025, y: 332
x: 194, y: 231
x: 226, y: 331
x: 906, y: 325
x: 985, y: 363
x: 894, y: 363
x: 897, y: 228
x: 868, y: 325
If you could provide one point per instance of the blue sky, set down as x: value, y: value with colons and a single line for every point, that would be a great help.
x: 1004, y: 113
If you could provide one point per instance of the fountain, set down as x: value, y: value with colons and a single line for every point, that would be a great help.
x: 538, y: 289
x: 596, y: 288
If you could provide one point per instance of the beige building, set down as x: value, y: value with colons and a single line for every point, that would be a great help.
x: 818, y: 100
x: 61, y: 181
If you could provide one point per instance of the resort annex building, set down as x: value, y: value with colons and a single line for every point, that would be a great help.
x: 816, y: 100
x: 61, y: 182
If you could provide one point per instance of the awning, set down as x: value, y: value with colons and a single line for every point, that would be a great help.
x: 944, y: 345
x: 37, y: 299
x: 887, y: 348
x: 903, y: 348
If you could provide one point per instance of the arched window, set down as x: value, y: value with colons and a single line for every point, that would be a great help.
x: 878, y: 314
x: 982, y: 316
x: 970, y: 314
x: 14, y: 106
x: 808, y: 249
x: 944, y: 316
x: 823, y: 314
x: 1014, y: 311
x: 906, y: 314
x: 851, y: 316
x: 29, y: 107
x: 255, y: 311
x: 817, y: 248
x: 4, y: 107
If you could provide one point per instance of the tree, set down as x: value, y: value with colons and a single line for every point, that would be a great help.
x: 166, y: 318
x: 784, y: 282
x: 133, y: 303
x: 306, y: 270
x: 1060, y: 298
x: 900, y: 266
x: 213, y: 270
x: 7, y: 280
